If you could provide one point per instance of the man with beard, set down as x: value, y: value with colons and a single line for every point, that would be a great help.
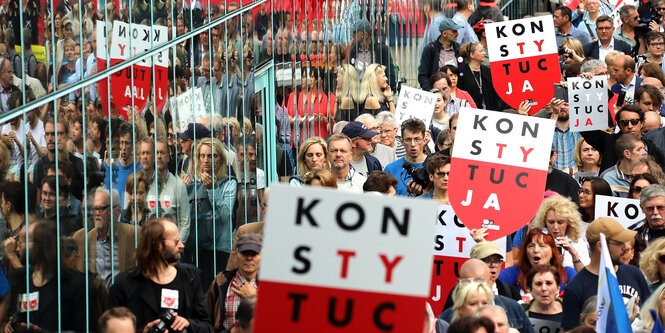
x: 108, y: 254
x: 564, y: 138
x: 158, y: 283
x: 231, y: 287
x: 585, y: 283
x: 652, y: 202
x: 118, y: 172
x: 629, y: 119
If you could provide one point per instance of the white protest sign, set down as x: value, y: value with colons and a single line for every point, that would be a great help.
x: 415, y: 103
x: 187, y: 107
x: 325, y: 251
x: 588, y: 103
x: 626, y: 211
x: 453, y: 238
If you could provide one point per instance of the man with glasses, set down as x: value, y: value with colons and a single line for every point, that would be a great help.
x: 630, y: 120
x: 585, y: 284
x: 388, y: 133
x: 652, y: 202
x: 474, y: 270
x: 108, y: 254
x: 158, y: 283
x: 489, y: 253
x: 606, y: 43
x: 361, y: 140
x: 413, y: 138
x: 630, y: 19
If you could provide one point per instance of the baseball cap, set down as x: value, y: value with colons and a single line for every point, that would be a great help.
x: 200, y: 130
x: 611, y: 228
x: 250, y: 242
x: 448, y: 24
x: 356, y: 129
x: 485, y: 249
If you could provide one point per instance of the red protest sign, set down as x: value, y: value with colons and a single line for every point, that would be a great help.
x: 524, y: 60
x: 452, y: 247
x: 498, y: 169
x: 337, y: 262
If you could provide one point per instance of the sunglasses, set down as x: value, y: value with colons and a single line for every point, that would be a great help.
x: 661, y: 258
x: 634, y: 121
x: 637, y: 189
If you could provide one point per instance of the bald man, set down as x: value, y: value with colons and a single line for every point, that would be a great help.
x: 474, y: 268
x: 623, y: 68
x: 651, y: 121
x: 497, y: 315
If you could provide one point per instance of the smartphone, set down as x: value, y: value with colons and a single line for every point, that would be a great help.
x: 561, y: 92
x: 531, y: 102
x: 621, y: 99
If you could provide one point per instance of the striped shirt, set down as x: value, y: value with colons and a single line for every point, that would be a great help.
x: 564, y: 145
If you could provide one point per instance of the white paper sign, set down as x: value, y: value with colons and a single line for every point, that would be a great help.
x: 626, y: 211
x: 169, y: 299
x: 453, y: 239
x: 188, y: 110
x: 415, y: 103
x: 325, y: 238
x: 587, y: 103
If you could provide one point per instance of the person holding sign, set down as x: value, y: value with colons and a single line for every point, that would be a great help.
x: 545, y: 310
x: 559, y: 216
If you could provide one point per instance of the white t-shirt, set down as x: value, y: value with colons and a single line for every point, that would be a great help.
x: 38, y: 134
x: 17, y: 155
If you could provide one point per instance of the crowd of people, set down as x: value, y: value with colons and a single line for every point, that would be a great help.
x: 120, y: 219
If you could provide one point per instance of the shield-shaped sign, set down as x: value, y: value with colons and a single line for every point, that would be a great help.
x: 151, y: 201
x: 499, y: 169
x: 167, y: 201
x: 524, y: 60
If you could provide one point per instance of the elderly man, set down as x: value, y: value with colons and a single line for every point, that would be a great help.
x: 361, y: 141
x: 489, y: 253
x: 585, y: 283
x: 108, y: 253
x: 476, y: 269
x: 230, y: 287
x: 652, y: 202
x: 340, y: 153
x: 498, y: 315
x: 383, y: 153
x: 388, y: 133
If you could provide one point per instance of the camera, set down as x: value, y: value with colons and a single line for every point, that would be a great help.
x: 656, y: 16
x: 165, y: 321
x: 562, y: 51
x: 419, y: 175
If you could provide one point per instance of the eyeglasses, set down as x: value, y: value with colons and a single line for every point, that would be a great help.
x: 604, y: 28
x: 582, y: 191
x: 495, y: 261
x: 101, y: 208
x: 636, y: 18
x: 382, y: 131
x: 412, y: 140
x: 633, y: 121
x: 661, y: 44
x: 651, y: 209
x: 616, y: 243
x: 660, y: 9
x: 637, y: 189
x: 442, y: 174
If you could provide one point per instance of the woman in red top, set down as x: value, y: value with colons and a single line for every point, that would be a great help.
x: 316, y: 110
x: 297, y: 115
x: 453, y: 74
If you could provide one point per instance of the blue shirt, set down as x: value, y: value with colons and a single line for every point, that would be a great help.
x: 466, y: 34
x: 575, y: 33
x: 564, y: 145
x: 118, y: 175
x: 403, y: 178
x: 512, y: 273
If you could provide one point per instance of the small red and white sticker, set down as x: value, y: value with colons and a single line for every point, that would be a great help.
x: 169, y: 299
x: 29, y: 302
x: 167, y: 201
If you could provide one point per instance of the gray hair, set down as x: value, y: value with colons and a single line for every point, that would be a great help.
x: 116, y: 196
x: 625, y: 11
x: 591, y: 65
x: 216, y: 121
x: 490, y: 307
x: 385, y: 117
x: 364, y: 116
x: 651, y: 191
x: 339, y: 126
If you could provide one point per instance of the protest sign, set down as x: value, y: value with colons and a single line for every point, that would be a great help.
x: 133, y: 83
x: 626, y: 211
x: 588, y: 103
x: 340, y: 262
x: 415, y: 103
x: 524, y: 60
x: 188, y: 107
x: 37, y: 50
x: 498, y: 169
x: 452, y: 247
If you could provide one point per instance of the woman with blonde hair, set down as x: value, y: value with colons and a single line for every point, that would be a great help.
x: 346, y: 93
x: 574, y: 50
x: 476, y: 78
x: 652, y: 263
x: 560, y: 217
x: 313, y: 155
x: 469, y: 296
x: 646, y: 321
x: 211, y: 192
x: 586, y: 157
x: 375, y: 91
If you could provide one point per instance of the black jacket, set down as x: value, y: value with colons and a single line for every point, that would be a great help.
x: 380, y: 55
x: 489, y: 99
x: 135, y: 292
x: 591, y: 50
x: 429, y: 62
x: 503, y: 288
x: 605, y: 143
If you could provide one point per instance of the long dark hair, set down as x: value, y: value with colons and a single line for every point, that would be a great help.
x: 599, y: 186
x: 44, y: 251
x: 148, y: 253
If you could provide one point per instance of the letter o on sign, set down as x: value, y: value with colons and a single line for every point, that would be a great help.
x: 342, y: 219
x: 631, y: 211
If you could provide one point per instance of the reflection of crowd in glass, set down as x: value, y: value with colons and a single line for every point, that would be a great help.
x: 121, y: 207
